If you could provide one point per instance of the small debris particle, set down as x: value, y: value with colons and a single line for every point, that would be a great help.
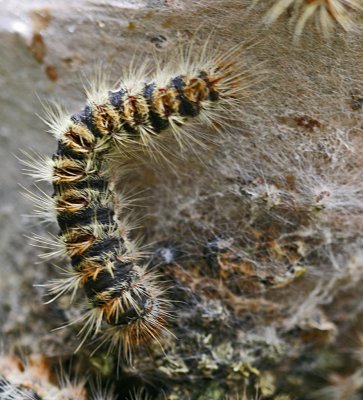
x: 357, y: 104
x: 148, y: 15
x: 51, y: 72
x: 131, y: 26
x: 159, y: 41
x: 168, y: 23
x: 307, y: 122
x: 38, y: 47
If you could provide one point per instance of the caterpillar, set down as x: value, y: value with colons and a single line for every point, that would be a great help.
x: 123, y: 295
x: 326, y: 13
x: 32, y: 380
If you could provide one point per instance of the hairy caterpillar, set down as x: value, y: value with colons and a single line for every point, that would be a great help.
x: 32, y: 380
x: 121, y: 293
x: 326, y: 13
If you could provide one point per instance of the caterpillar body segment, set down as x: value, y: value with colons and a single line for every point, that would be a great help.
x: 172, y: 99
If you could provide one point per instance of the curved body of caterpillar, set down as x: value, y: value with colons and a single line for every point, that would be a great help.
x: 326, y: 12
x: 120, y: 292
